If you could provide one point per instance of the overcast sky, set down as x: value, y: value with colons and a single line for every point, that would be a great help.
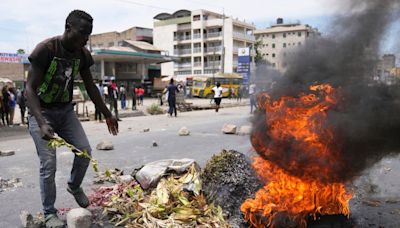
x: 24, y: 23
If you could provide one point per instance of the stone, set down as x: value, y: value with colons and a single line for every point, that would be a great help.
x: 26, y: 219
x: 125, y: 178
x: 245, y: 130
x: 105, y: 145
x: 79, y: 218
x: 146, y: 129
x: 155, y: 144
x: 7, y: 153
x: 184, y: 131
x: 229, y: 129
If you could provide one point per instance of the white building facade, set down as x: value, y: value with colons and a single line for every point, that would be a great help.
x: 282, y: 40
x: 204, y: 41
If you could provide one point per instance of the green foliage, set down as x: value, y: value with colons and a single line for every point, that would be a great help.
x: 155, y: 109
x: 59, y: 142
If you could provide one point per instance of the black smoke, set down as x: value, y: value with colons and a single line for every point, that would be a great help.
x: 366, y: 121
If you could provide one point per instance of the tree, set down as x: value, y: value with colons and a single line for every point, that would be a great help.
x: 257, y: 46
x: 20, y: 51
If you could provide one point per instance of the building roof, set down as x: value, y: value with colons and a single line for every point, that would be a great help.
x: 176, y: 14
x: 142, y: 45
x: 119, y: 53
x: 283, y: 28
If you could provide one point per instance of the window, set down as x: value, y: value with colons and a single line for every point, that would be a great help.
x: 273, y: 45
x: 196, y: 18
x: 197, y: 72
x: 284, y: 35
x: 299, y: 33
x: 284, y: 45
x: 299, y: 43
x: 273, y: 55
x: 273, y: 36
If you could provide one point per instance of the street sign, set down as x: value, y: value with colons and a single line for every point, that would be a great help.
x: 243, y: 67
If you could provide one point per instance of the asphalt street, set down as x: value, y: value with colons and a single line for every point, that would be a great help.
x: 376, y: 201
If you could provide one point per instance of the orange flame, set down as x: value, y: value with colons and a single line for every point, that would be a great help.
x: 299, y: 162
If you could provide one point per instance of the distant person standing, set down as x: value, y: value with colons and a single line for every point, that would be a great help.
x: 1, y: 109
x: 12, y: 104
x: 217, y: 96
x: 21, y: 101
x: 141, y: 95
x: 113, y: 94
x: 6, y: 104
x: 122, y: 96
x: 133, y: 97
x: 240, y: 93
x: 97, y: 112
x: 172, y: 90
x: 252, y: 94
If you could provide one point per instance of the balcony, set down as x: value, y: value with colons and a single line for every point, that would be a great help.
x: 183, y: 65
x: 196, y: 36
x: 213, y: 49
x: 182, y: 51
x: 197, y: 64
x: 244, y: 36
x: 197, y: 50
x: 212, y: 64
x: 212, y: 34
x: 181, y: 38
x: 184, y: 26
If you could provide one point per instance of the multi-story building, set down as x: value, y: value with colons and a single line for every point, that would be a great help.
x: 128, y: 57
x: 383, y: 69
x: 109, y: 39
x: 281, y: 40
x: 205, y: 42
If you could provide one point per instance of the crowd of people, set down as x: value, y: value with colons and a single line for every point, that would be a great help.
x: 9, y: 98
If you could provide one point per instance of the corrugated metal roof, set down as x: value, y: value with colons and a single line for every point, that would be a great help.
x: 142, y: 45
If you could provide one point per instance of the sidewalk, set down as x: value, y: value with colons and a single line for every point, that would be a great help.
x: 142, y: 109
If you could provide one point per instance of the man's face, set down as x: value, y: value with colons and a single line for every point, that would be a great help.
x: 78, y: 32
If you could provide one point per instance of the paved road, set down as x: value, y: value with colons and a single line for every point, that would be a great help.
x: 133, y: 148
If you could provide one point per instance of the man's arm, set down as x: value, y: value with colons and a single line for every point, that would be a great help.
x: 35, y: 78
x: 94, y: 95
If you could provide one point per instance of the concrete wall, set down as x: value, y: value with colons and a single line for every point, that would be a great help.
x: 13, y: 71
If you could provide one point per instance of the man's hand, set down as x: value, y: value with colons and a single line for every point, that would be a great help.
x: 112, y: 125
x: 47, y: 132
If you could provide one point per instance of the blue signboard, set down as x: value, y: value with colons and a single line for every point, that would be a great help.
x: 243, y: 67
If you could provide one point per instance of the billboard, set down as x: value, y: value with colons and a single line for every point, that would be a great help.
x: 13, y: 58
x: 243, y: 67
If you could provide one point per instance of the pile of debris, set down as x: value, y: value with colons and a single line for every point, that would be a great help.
x: 176, y: 200
x: 7, y: 184
x: 228, y: 180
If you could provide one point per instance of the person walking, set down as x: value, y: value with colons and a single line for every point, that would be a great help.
x: 252, y: 94
x: 122, y: 97
x: 55, y: 63
x: 21, y: 101
x: 217, y: 90
x: 172, y: 90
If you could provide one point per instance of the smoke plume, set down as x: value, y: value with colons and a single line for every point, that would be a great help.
x: 366, y: 121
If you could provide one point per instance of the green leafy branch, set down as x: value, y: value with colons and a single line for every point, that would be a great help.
x: 59, y: 142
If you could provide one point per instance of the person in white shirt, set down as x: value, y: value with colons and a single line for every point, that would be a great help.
x: 217, y: 95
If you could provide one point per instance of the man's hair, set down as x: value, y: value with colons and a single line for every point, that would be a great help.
x: 78, y: 14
